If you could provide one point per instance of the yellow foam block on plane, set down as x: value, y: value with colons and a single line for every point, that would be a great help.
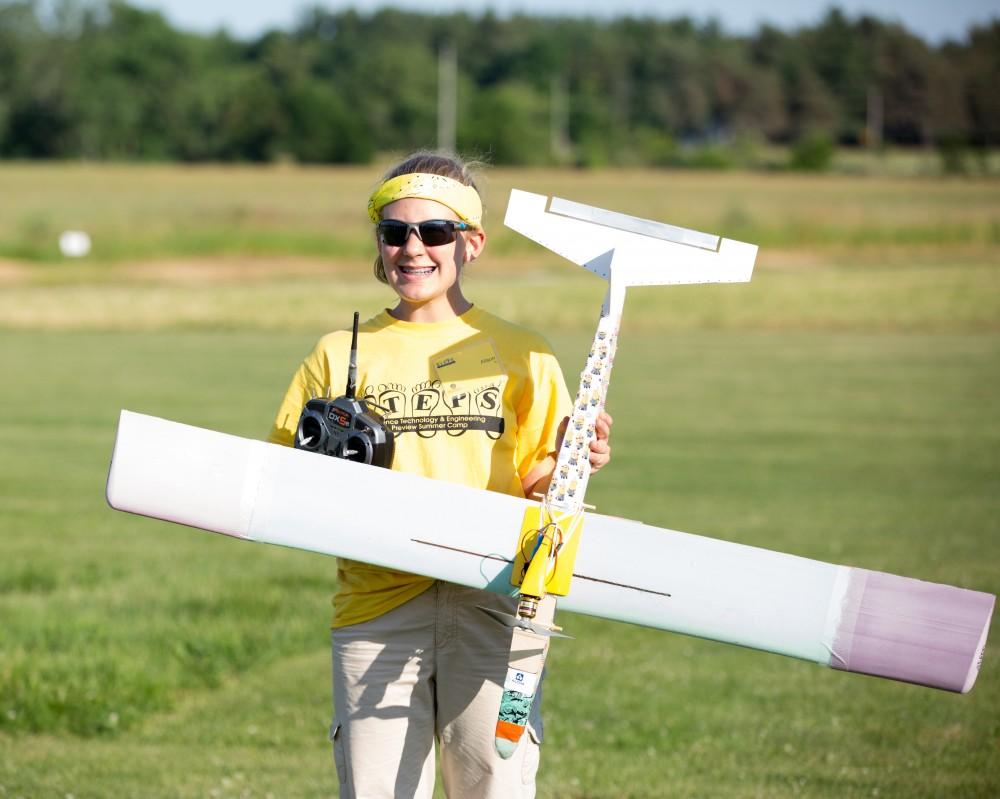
x: 546, y: 551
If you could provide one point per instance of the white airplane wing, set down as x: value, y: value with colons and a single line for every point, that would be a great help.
x: 847, y: 618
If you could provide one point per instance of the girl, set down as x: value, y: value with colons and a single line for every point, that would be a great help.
x: 474, y: 400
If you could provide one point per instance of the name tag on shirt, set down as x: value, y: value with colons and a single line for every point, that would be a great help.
x: 472, y: 378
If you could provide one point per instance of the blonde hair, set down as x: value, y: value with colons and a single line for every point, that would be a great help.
x: 448, y: 165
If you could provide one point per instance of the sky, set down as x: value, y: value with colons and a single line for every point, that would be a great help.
x: 933, y: 20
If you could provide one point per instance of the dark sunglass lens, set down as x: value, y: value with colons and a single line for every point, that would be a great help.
x: 393, y: 233
x: 434, y: 234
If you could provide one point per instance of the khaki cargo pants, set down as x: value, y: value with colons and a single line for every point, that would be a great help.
x: 430, y: 670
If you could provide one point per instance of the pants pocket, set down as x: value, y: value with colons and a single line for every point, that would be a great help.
x: 532, y: 755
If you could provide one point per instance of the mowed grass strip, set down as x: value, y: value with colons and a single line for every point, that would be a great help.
x: 138, y: 658
x: 921, y: 296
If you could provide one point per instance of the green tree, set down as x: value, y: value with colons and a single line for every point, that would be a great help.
x: 841, y: 54
x: 322, y: 128
x: 36, y: 106
x: 980, y: 65
x: 107, y: 80
x: 510, y: 123
x: 128, y: 69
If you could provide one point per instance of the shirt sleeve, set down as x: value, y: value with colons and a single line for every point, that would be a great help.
x: 544, y: 405
x: 310, y: 379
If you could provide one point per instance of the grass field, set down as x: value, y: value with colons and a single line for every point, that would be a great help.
x: 181, y: 212
x: 843, y: 406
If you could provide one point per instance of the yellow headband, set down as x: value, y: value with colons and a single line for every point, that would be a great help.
x: 463, y: 200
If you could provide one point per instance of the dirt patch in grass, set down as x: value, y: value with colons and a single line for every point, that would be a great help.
x: 13, y: 272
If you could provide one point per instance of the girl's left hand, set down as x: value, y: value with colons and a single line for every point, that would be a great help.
x: 600, y: 449
x: 537, y: 480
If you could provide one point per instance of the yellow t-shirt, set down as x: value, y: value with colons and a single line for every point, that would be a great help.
x: 472, y: 400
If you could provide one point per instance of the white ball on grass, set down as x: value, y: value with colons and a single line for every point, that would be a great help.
x: 74, y: 243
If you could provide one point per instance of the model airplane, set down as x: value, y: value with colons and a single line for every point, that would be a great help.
x: 625, y: 251
x: 843, y: 617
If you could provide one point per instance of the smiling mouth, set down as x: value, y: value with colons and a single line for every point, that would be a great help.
x: 417, y: 270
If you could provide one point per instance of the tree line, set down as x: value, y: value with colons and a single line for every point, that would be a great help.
x: 110, y: 81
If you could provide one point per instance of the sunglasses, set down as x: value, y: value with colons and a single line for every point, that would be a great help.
x: 433, y: 233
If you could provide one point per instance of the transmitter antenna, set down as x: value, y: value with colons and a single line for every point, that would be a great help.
x: 346, y: 427
x: 352, y: 367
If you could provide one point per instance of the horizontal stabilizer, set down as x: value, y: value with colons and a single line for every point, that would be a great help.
x: 633, y: 224
x: 640, y: 251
